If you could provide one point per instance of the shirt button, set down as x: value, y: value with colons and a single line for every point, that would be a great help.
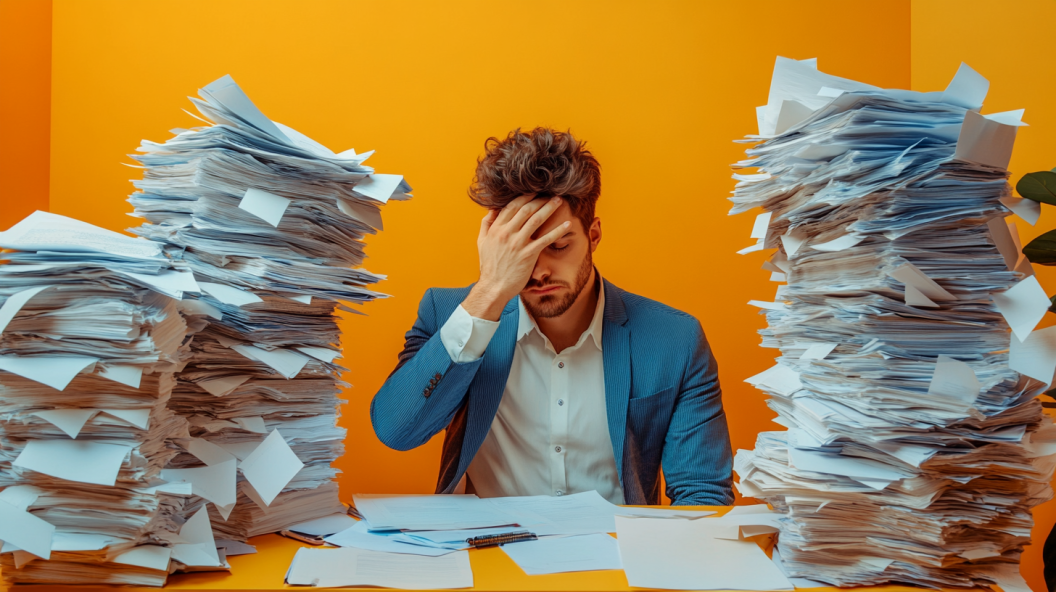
x: 560, y: 401
x: 560, y: 364
x: 559, y: 492
x: 460, y: 343
x: 557, y: 449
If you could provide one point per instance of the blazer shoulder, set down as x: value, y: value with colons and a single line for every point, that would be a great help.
x: 653, y: 316
x: 445, y: 300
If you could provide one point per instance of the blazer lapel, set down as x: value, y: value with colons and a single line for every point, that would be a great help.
x: 485, y: 392
x: 616, y: 358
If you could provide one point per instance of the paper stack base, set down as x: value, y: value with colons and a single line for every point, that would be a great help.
x: 70, y: 568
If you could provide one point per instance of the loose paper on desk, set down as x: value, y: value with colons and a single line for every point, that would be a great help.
x: 428, y: 512
x: 389, y: 542
x: 329, y: 568
x: 686, y: 555
x: 590, y: 552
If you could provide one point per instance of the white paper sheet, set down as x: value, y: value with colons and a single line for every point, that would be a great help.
x: 954, y: 378
x: 1036, y: 355
x: 379, y: 187
x: 271, y: 466
x: 590, y: 552
x: 360, y: 539
x: 286, y: 362
x: 15, y: 302
x: 266, y: 206
x: 329, y: 568
x: 685, y: 555
x: 74, y: 460
x: 25, y: 531
x: 200, y: 550
x: 127, y: 375
x: 1023, y: 306
x: 215, y: 483
x: 54, y: 371
x: 326, y: 525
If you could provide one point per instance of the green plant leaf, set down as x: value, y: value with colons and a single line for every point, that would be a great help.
x: 1042, y: 250
x: 1039, y: 186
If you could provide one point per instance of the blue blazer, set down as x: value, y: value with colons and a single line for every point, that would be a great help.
x: 662, y: 397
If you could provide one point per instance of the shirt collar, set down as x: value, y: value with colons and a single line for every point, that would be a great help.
x: 525, y: 322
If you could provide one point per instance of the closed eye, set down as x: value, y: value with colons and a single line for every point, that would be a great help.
x: 557, y: 248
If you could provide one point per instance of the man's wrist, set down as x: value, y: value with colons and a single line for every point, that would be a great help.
x: 483, y: 302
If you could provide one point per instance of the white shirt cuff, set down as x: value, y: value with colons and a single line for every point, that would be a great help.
x: 466, y: 337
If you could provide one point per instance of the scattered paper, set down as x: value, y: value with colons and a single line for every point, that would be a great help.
x: 74, y: 460
x: 271, y: 466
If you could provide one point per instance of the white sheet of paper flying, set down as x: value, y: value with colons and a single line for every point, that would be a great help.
x: 218, y: 387
x: 328, y: 568
x: 44, y: 231
x: 15, y: 302
x: 988, y: 139
x: 25, y: 531
x: 361, y: 539
x: 428, y: 512
x: 758, y: 246
x: 74, y: 460
x: 1028, y: 209
x: 762, y: 223
x: 1035, y: 356
x: 793, y: 240
x: 54, y: 371
x: 685, y: 555
x: 266, y: 206
x: 954, y: 378
x: 70, y: 421
x: 910, y: 275
x: 215, y: 483
x: 379, y: 186
x: 227, y: 92
x: 1023, y: 306
x: 768, y: 305
x: 324, y: 526
x: 127, y: 375
x: 271, y: 466
x: 148, y: 556
x: 818, y: 351
x: 779, y: 378
x: 548, y: 555
x: 200, y: 550
x: 206, y: 451
x: 286, y: 362
x: 967, y: 89
x: 369, y: 215
x: 229, y: 294
x: 1002, y: 237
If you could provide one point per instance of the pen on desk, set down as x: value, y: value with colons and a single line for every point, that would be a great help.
x: 493, y: 540
x: 304, y: 538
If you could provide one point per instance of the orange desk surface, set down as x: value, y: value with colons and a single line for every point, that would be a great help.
x: 493, y: 571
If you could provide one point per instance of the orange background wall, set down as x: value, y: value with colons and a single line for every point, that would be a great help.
x: 659, y: 91
x: 25, y: 107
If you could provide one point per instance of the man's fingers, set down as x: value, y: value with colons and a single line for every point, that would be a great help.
x: 540, y: 216
x: 526, y: 212
x: 547, y: 239
x: 487, y: 221
x: 511, y: 208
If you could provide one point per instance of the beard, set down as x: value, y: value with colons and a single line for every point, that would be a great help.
x: 550, y: 306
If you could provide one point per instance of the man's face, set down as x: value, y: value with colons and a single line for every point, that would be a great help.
x: 563, y: 268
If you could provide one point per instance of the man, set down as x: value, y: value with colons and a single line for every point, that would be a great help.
x: 548, y: 379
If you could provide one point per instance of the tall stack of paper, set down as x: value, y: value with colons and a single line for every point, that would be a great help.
x: 271, y: 223
x: 915, y: 448
x: 90, y: 336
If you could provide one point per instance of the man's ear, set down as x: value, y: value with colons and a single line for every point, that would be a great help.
x: 594, y: 234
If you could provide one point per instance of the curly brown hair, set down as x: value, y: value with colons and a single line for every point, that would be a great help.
x: 543, y: 162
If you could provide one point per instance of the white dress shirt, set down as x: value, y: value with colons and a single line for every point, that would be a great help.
x: 550, y: 435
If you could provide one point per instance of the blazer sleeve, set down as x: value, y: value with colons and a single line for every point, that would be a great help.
x: 697, y: 458
x: 408, y: 411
